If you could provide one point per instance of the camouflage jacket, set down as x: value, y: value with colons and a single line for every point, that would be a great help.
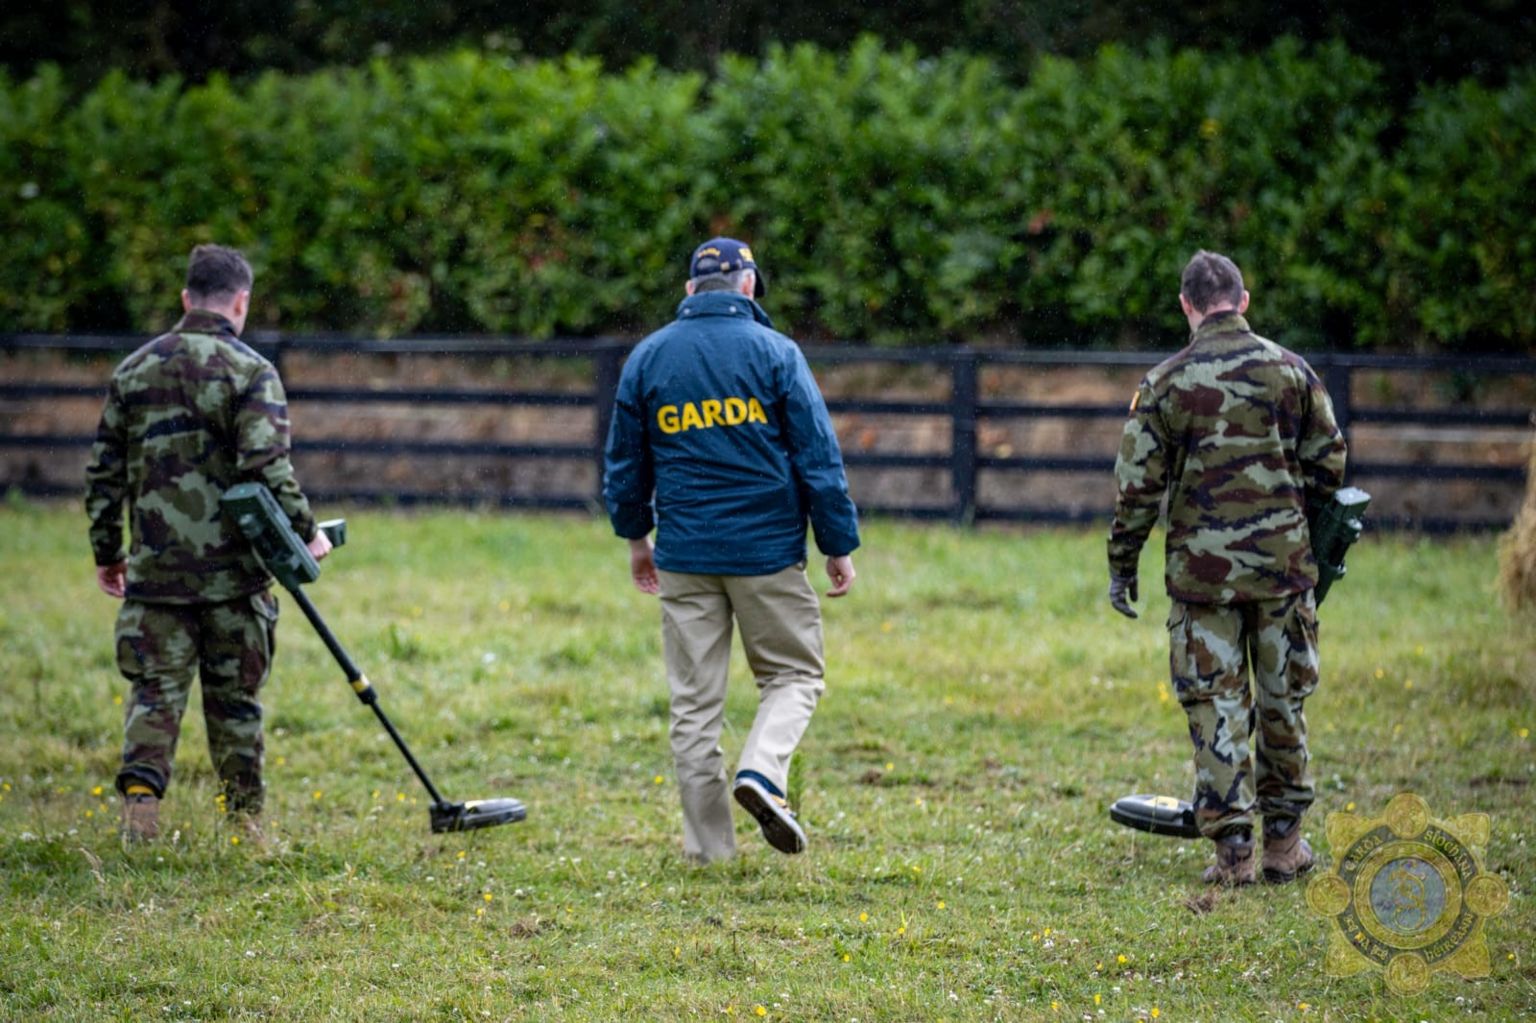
x: 1239, y: 434
x: 188, y: 415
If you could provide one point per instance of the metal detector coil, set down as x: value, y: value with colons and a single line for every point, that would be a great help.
x: 1160, y: 815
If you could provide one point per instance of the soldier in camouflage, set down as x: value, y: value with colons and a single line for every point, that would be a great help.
x: 188, y: 415
x: 1238, y: 434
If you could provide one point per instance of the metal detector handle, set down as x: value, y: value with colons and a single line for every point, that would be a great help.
x: 335, y: 530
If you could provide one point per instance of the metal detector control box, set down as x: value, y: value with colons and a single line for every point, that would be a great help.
x: 262, y: 521
x: 1335, y: 528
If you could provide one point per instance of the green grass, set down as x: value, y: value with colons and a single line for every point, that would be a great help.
x: 983, y: 708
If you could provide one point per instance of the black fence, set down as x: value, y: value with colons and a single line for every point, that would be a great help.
x: 964, y: 409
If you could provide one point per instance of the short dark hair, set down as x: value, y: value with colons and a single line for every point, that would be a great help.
x: 730, y: 281
x: 1209, y: 279
x: 219, y: 272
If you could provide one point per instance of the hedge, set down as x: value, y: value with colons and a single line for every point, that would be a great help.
x: 890, y: 198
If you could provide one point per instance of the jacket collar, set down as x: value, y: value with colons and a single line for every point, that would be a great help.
x: 1228, y: 321
x: 721, y: 303
x: 202, y: 321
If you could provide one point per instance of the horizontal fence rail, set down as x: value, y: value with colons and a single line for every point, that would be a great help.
x: 964, y: 410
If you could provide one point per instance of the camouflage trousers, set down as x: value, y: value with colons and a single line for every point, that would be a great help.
x: 1250, y: 740
x: 160, y: 647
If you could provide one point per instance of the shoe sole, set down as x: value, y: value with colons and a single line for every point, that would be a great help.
x: 779, y: 831
x: 1227, y: 882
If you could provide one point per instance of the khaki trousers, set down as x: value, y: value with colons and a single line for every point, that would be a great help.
x: 780, y: 622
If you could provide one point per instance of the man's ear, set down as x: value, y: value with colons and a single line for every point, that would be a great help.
x: 688, y: 286
x: 186, y: 300
x: 1242, y: 307
x: 242, y: 303
x: 749, y: 284
x: 1184, y: 304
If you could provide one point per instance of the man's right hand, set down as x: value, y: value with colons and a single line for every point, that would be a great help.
x: 840, y: 571
x: 642, y: 566
x: 1122, y: 590
x: 320, y: 546
x: 113, y: 579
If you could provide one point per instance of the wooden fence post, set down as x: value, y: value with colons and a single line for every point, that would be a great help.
x: 962, y: 457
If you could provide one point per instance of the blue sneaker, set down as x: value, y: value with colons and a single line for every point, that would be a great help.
x: 773, y: 815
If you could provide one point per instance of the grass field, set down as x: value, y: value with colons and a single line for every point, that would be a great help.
x: 983, y: 708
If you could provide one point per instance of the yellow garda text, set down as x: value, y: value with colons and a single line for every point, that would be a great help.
x: 709, y: 413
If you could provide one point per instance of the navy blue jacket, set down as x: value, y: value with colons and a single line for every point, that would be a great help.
x: 721, y: 440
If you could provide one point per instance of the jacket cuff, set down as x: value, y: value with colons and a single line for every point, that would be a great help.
x: 1122, y: 567
x: 305, y: 525
x: 837, y: 545
x: 634, y: 522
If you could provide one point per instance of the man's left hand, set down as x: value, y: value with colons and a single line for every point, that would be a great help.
x: 113, y: 579
x: 642, y: 566
x: 1122, y: 590
x: 840, y: 572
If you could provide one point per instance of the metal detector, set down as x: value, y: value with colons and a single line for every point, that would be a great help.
x: 262, y: 521
x: 1161, y: 815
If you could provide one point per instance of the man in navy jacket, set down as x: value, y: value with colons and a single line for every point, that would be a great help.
x: 721, y: 442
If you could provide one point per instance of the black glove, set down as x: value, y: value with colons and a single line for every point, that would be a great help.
x: 1122, y: 590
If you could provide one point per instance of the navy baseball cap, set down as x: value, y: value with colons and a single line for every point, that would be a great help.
x: 724, y: 256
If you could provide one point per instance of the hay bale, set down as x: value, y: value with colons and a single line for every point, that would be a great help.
x: 1517, y: 550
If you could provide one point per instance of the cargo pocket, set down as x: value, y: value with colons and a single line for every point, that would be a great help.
x: 265, y: 606
x: 1181, y: 667
x: 1301, y: 659
x: 129, y: 636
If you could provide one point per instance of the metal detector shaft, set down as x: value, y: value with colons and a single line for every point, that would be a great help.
x: 361, y: 686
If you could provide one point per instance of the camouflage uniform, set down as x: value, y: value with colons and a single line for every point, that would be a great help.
x: 1239, y: 434
x: 188, y: 415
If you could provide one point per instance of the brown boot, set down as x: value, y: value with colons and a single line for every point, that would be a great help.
x: 141, y: 816
x: 1286, y: 853
x: 1234, y: 862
